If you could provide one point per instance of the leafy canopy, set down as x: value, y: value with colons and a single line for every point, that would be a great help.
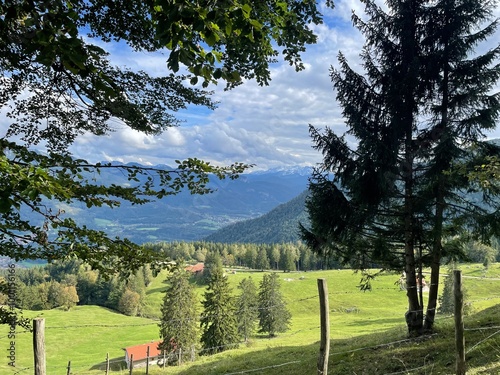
x: 58, y: 82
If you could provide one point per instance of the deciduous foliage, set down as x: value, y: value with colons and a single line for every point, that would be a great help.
x: 129, y: 303
x: 218, y: 320
x: 58, y: 82
x: 68, y: 297
x: 274, y: 316
x: 233, y: 39
x: 179, y: 314
x: 417, y: 113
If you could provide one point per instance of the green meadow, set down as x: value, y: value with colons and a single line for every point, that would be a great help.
x: 368, y: 334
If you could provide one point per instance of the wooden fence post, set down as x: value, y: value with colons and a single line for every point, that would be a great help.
x: 459, y: 323
x: 69, y: 368
x: 131, y: 364
x: 39, y: 346
x: 324, y: 348
x: 107, y: 363
x: 147, y: 360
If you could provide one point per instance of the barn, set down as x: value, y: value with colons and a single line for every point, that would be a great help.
x: 139, y: 354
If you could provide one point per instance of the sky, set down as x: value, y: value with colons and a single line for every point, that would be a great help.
x: 265, y: 126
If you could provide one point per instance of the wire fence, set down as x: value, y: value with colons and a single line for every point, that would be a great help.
x: 80, y: 365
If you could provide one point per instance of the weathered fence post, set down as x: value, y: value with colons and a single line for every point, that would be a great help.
x: 324, y: 348
x: 147, y: 360
x: 69, y: 368
x: 39, y: 346
x: 107, y: 363
x: 459, y: 323
x: 131, y: 364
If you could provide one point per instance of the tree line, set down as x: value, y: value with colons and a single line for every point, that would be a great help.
x: 297, y: 256
x: 290, y: 256
x: 69, y: 283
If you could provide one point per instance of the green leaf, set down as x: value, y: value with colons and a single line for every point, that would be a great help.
x: 246, y: 10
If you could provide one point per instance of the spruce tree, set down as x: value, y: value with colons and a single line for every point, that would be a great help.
x: 218, y: 320
x: 262, y: 261
x: 447, y: 298
x: 462, y: 107
x: 247, y: 307
x: 417, y: 112
x: 179, y: 315
x: 274, y: 316
x: 213, y: 261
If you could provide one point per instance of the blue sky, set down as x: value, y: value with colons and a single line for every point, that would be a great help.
x: 266, y: 126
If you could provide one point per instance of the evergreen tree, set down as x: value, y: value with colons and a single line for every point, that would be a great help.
x: 447, y: 298
x: 287, y: 259
x: 251, y: 256
x: 462, y: 108
x: 247, y: 307
x: 178, y: 327
x: 274, y: 256
x: 116, y: 289
x: 218, y: 321
x: 262, y: 261
x: 213, y: 262
x: 421, y: 105
x: 274, y: 316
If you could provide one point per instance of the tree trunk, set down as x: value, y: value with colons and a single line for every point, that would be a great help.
x: 433, y: 288
x: 442, y: 158
x: 414, y: 315
x: 409, y: 76
x: 436, y: 258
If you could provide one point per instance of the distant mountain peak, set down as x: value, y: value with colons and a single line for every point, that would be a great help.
x: 289, y: 170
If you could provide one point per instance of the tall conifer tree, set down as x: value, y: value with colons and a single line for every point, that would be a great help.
x: 247, y: 308
x: 274, y: 316
x: 415, y: 112
x: 218, y: 320
x: 461, y: 107
x: 179, y: 315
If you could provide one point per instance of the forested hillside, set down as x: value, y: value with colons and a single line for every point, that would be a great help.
x: 279, y: 225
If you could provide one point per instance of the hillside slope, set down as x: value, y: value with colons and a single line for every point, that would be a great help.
x: 186, y: 217
x: 279, y: 225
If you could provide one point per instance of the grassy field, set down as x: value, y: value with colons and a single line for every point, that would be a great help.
x: 368, y: 334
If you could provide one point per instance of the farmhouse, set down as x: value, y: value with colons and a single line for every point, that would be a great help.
x: 139, y: 354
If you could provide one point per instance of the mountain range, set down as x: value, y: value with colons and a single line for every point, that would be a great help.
x: 186, y: 217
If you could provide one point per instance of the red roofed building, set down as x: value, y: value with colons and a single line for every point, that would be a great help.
x: 196, y: 269
x: 140, y: 354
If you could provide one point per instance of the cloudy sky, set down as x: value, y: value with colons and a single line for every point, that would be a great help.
x: 266, y: 126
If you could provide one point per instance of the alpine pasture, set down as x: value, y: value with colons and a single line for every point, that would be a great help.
x: 368, y: 332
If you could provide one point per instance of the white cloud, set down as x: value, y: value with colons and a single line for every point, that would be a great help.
x: 267, y: 126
